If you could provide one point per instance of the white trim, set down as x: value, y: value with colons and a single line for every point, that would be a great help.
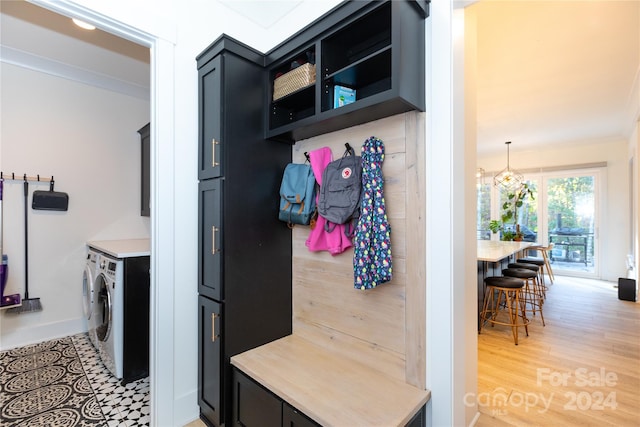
x: 49, y: 66
x: 162, y: 331
x: 439, y: 219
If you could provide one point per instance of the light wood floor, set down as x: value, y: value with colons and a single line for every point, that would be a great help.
x: 581, y: 369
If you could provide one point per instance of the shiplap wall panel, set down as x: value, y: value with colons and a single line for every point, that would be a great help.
x: 415, y: 328
x: 369, y: 325
x: 326, y: 296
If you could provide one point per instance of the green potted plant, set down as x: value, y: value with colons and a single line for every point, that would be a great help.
x: 515, y: 200
x: 495, y: 226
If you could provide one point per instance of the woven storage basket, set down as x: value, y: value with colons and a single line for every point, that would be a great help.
x: 290, y: 82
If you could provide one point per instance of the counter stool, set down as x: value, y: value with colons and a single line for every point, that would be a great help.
x: 532, y: 293
x: 542, y: 262
x: 539, y: 288
x: 539, y: 262
x: 508, y: 290
x: 544, y: 251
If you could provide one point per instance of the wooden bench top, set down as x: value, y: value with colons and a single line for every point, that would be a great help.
x: 332, y: 390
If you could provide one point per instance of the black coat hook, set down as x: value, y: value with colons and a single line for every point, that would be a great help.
x: 348, y: 149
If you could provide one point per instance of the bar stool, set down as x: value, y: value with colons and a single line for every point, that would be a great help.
x: 508, y: 291
x: 532, y: 293
x: 539, y: 288
x: 539, y: 262
x: 542, y: 261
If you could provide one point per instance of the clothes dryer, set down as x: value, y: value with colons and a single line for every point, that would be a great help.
x: 88, y: 294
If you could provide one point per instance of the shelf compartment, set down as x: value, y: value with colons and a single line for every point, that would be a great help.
x: 300, y: 103
x: 294, y: 80
x: 292, y: 107
x: 361, y: 39
x: 368, y: 76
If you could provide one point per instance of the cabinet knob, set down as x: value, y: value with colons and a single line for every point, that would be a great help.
x: 213, y: 153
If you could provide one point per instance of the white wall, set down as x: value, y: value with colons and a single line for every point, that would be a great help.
x: 87, y: 139
x: 614, y: 227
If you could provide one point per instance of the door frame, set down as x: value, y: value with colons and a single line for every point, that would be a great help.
x: 162, y: 100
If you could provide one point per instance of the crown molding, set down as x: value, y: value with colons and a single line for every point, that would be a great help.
x: 49, y: 66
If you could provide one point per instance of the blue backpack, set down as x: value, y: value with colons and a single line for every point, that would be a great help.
x: 297, y: 194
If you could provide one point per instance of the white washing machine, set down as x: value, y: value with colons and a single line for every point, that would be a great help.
x: 108, y: 313
x: 88, y: 295
x: 121, y: 306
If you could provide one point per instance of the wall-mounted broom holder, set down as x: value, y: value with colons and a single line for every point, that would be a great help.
x: 42, y: 200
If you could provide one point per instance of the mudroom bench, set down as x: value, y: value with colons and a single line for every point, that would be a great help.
x: 294, y: 381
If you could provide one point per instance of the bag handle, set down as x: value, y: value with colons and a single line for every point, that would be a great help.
x: 349, y: 152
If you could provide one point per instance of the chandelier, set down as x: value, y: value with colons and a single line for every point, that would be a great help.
x: 508, y: 178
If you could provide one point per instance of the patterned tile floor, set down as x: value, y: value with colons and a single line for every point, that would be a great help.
x: 122, y: 406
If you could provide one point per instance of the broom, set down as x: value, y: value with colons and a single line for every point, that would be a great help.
x: 28, y: 304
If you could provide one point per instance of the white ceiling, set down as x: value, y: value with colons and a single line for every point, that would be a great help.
x: 36, y: 38
x: 548, y: 72
x: 556, y: 72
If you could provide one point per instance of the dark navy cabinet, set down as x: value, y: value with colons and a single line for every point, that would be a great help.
x: 255, y: 406
x: 373, y: 49
x: 244, y: 265
x: 145, y: 170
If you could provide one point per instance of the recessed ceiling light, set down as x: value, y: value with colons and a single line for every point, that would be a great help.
x: 83, y: 24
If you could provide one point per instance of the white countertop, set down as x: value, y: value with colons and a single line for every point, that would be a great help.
x: 122, y: 248
x: 494, y: 251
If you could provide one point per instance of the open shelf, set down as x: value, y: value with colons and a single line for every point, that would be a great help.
x: 361, y: 39
x: 371, y: 51
x: 298, y: 104
x: 368, y: 76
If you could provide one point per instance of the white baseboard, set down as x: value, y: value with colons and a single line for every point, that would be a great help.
x: 35, y: 334
x: 186, y: 408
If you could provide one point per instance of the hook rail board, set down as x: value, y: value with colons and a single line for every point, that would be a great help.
x: 42, y: 200
x: 24, y: 177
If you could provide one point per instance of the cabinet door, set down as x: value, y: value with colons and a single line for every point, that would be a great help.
x: 210, y: 130
x: 210, y: 239
x: 210, y: 378
x: 253, y: 406
x: 145, y: 178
